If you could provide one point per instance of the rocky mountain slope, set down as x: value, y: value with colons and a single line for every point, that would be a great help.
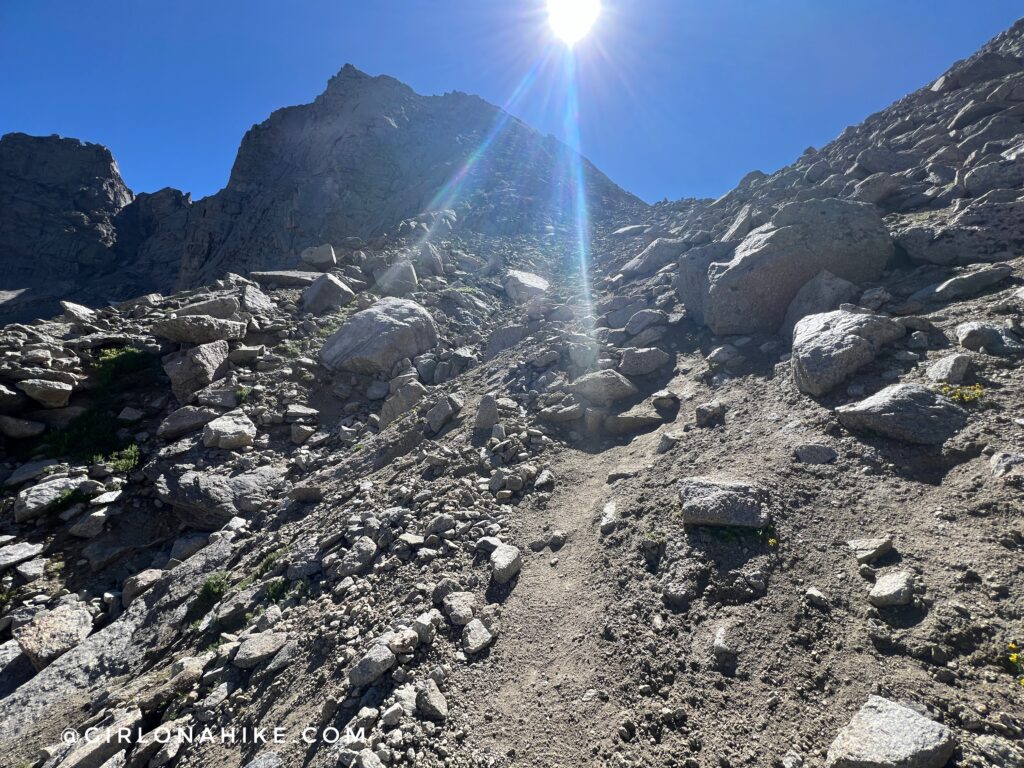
x: 367, y: 154
x: 746, y: 493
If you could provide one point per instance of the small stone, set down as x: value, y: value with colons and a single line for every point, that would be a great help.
x: 815, y: 453
x: 476, y: 637
x: 892, y: 589
x: 868, y: 550
x: 708, y: 414
x: 506, y: 562
x: 378, y: 660
x: 431, y: 703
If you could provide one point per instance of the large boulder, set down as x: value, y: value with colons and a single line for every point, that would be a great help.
x: 830, y: 347
x: 48, y: 393
x: 231, y: 431
x: 192, y: 369
x: 44, y: 496
x: 822, y: 293
x: 523, y: 286
x: 207, y: 501
x: 326, y: 294
x: 319, y: 257
x: 603, y: 387
x: 373, y: 340
x: 398, y: 279
x: 884, y: 734
x: 752, y: 291
x: 908, y: 412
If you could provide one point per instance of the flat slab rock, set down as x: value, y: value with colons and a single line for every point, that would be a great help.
x: 884, y: 734
x: 907, y: 412
x: 709, y: 501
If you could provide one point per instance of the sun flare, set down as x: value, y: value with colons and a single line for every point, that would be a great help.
x: 571, y: 20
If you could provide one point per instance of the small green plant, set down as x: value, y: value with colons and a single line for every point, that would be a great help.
x: 242, y: 394
x: 213, y: 589
x: 1016, y: 661
x: 6, y: 596
x: 654, y: 537
x: 278, y: 589
x: 69, y: 497
x: 263, y: 567
x: 121, y: 461
x: 962, y: 394
x: 119, y: 369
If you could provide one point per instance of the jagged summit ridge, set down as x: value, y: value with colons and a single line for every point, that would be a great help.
x: 365, y: 155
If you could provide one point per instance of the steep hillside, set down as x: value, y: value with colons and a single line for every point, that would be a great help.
x: 748, y: 492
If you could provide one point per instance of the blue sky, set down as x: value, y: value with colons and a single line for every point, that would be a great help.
x: 677, y: 97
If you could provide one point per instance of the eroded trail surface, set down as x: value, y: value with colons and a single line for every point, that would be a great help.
x: 546, y: 694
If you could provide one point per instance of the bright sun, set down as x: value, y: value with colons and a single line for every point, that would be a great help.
x: 572, y: 19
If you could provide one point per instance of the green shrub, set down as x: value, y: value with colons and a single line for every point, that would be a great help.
x: 213, y: 589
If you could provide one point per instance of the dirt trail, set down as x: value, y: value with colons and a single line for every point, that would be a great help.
x: 547, y: 695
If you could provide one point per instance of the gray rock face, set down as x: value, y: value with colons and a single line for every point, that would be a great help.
x: 362, y: 157
x: 830, y: 347
x: 373, y: 340
x: 523, y: 286
x: 58, y: 201
x: 884, y: 734
x: 192, y: 369
x: 709, y: 501
x: 753, y: 290
x: 54, y: 633
x: 326, y: 294
x: 907, y: 412
x: 602, y: 387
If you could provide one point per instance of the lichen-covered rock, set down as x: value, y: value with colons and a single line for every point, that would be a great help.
x: 53, y: 633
